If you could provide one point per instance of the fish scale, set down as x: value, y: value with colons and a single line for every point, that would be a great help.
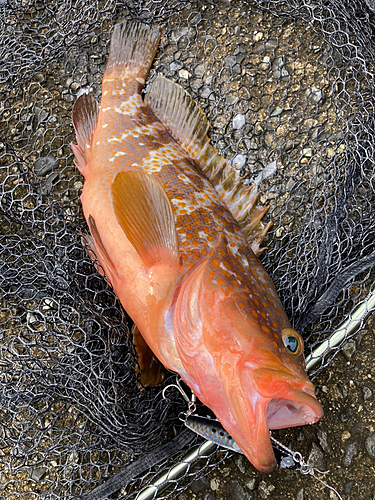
x: 178, y: 235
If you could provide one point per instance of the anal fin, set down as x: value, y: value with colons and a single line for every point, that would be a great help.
x: 152, y: 371
x: 145, y: 214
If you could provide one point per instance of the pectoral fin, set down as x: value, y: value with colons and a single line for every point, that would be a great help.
x: 152, y: 371
x: 145, y: 214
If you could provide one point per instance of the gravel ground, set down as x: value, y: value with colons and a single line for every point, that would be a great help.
x: 343, y: 442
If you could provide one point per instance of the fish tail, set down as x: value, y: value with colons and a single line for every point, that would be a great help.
x: 133, y: 48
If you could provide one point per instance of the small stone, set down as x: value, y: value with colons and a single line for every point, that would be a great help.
x: 239, y: 161
x: 45, y: 165
x: 370, y: 446
x: 200, y: 485
x: 323, y: 441
x: 277, y: 111
x: 316, y: 457
x: 38, y: 77
x: 299, y: 495
x: 250, y: 483
x: 238, y: 459
x: 348, y: 350
x: 367, y: 392
x: 238, y: 121
x: 348, y: 487
x: 351, y: 451
x: 215, y: 484
x: 208, y: 496
x: 315, y: 95
x: 233, y: 489
x: 184, y: 74
x: 345, y: 435
x: 37, y: 473
x: 346, y: 415
x: 265, y: 489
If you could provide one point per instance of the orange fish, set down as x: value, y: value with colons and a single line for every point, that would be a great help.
x: 178, y: 235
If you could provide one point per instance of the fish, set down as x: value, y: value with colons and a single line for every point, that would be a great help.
x: 178, y: 235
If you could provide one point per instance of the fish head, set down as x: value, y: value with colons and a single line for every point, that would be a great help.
x: 248, y: 361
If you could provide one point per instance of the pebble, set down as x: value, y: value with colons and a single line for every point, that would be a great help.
x: 238, y: 121
x: 38, y: 473
x: 265, y: 489
x: 348, y: 487
x: 323, y: 441
x: 346, y: 415
x: 250, y: 483
x: 215, y: 484
x: 239, y: 161
x: 239, y: 461
x: 45, y: 165
x: 233, y: 489
x: 200, y: 485
x: 49, y: 183
x: 316, y: 457
x: 345, y: 435
x: 299, y: 495
x: 351, y: 451
x: 370, y: 446
x: 208, y: 496
x: 315, y: 95
x: 367, y: 392
x: 184, y: 74
x: 348, y: 350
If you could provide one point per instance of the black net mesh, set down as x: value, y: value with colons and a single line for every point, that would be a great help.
x: 289, y: 91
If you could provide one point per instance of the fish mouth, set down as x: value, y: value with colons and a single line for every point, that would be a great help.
x: 282, y: 413
x: 291, y: 401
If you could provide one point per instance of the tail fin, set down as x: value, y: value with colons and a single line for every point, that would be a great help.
x: 133, y: 48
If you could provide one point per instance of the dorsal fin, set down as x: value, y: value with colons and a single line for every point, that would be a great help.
x: 85, y: 117
x: 189, y: 125
x: 143, y: 211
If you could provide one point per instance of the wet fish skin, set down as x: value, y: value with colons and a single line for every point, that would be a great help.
x: 175, y: 233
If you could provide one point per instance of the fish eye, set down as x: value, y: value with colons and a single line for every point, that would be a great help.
x: 292, y: 341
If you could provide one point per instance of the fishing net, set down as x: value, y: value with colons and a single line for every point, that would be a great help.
x: 288, y: 87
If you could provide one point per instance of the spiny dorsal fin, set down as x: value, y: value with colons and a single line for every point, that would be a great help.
x: 143, y: 211
x: 133, y: 48
x: 189, y: 125
x: 85, y: 117
x: 152, y: 371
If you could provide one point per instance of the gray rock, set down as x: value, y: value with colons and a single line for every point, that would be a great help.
x: 208, y: 496
x: 239, y: 461
x: 45, y: 165
x: 348, y: 350
x: 238, y: 121
x: 348, y: 487
x: 37, y: 473
x: 346, y: 415
x: 239, y: 161
x: 316, y: 457
x: 367, y: 392
x: 370, y: 446
x: 233, y: 489
x: 200, y: 485
x: 315, y: 95
x: 323, y: 441
x: 351, y: 450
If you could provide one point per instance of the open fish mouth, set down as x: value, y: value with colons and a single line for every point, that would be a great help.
x: 282, y: 413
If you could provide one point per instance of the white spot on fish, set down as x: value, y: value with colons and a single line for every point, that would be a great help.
x: 105, y: 125
x: 184, y: 178
x: 140, y: 80
x: 150, y: 129
x: 88, y: 146
x: 106, y: 109
x: 141, y: 143
x: 98, y: 143
x: 105, y: 92
x: 160, y: 158
x: 130, y: 106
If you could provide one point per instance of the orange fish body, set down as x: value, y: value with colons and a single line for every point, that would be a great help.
x: 174, y: 231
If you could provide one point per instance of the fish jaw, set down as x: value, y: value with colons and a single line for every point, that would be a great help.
x: 292, y: 402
